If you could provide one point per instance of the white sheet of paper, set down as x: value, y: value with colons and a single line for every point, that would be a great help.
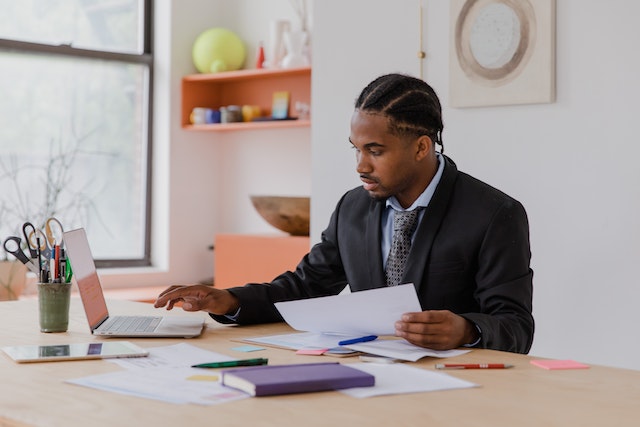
x: 299, y: 340
x: 177, y: 355
x: 168, y: 384
x: 166, y: 375
x: 402, y: 349
x: 370, y: 312
x: 398, y: 378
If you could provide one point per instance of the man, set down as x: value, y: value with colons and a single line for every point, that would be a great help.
x: 469, y: 248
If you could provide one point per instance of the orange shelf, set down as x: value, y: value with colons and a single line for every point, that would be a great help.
x: 224, y: 127
x: 245, y: 87
x: 248, y: 258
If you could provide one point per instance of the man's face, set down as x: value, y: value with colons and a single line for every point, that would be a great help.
x: 387, y: 164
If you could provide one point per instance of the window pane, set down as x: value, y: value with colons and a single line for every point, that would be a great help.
x: 115, y: 26
x: 73, y: 145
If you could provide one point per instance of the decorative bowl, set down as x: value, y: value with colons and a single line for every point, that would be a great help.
x: 288, y: 214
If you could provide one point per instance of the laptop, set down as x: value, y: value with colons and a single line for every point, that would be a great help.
x: 95, y: 306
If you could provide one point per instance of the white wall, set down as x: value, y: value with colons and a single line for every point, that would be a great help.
x: 202, y: 180
x: 215, y: 173
x: 353, y: 42
x: 572, y: 163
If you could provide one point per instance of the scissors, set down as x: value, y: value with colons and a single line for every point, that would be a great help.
x: 29, y: 230
x: 53, y: 230
x: 37, y: 241
x: 44, y: 241
x: 12, y: 245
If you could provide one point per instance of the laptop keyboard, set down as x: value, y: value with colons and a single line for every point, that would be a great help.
x: 132, y: 324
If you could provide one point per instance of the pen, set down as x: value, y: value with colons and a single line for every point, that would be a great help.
x: 232, y: 363
x: 40, y: 266
x: 52, y: 266
x: 56, y: 262
x: 472, y: 366
x: 357, y: 340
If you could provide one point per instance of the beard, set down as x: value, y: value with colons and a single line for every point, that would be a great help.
x: 378, y: 197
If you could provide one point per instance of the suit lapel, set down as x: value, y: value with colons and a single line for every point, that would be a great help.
x: 373, y: 254
x: 426, y: 232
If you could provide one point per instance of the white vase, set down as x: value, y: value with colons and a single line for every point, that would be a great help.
x: 277, y: 29
x: 294, y: 42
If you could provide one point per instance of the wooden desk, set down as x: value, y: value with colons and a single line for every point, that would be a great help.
x: 35, y: 394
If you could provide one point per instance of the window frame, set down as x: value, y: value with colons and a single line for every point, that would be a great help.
x: 146, y: 59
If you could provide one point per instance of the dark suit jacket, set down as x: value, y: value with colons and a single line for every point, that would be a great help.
x: 470, y: 255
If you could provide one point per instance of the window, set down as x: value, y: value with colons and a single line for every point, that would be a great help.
x: 75, y: 121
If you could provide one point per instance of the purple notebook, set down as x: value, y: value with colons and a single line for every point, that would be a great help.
x: 299, y: 378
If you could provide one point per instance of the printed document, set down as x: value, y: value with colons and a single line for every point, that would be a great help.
x: 371, y: 312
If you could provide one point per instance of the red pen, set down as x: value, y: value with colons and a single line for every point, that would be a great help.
x: 472, y: 366
x: 56, y: 249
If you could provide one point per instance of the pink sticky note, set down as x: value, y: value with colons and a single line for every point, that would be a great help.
x: 312, y: 351
x: 559, y: 364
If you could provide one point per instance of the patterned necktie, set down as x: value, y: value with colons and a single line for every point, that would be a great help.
x: 404, y: 224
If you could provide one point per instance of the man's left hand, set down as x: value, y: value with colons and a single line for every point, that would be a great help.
x: 436, y: 329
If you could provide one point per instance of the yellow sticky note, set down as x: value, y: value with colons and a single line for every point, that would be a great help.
x: 203, y: 378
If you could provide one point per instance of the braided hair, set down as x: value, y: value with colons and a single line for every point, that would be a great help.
x: 411, y: 105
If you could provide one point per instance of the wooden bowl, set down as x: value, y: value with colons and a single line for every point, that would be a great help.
x: 289, y: 214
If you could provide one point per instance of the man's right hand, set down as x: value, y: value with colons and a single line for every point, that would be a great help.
x: 199, y: 297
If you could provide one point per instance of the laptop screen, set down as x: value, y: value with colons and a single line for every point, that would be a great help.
x: 84, y: 271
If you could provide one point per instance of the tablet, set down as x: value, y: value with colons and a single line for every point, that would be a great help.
x: 61, y: 352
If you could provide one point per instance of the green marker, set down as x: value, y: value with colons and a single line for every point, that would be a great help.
x: 233, y: 363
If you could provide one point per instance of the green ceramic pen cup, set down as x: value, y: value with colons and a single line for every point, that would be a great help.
x: 53, y: 303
